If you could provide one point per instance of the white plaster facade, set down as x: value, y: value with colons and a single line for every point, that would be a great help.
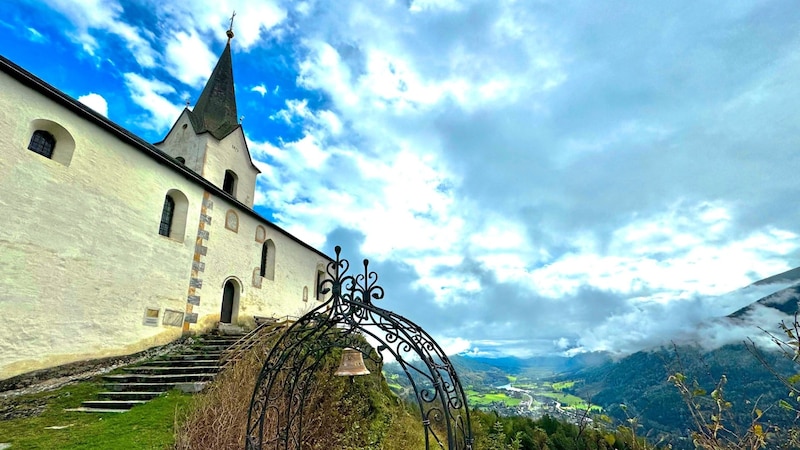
x: 81, y: 257
x: 210, y: 157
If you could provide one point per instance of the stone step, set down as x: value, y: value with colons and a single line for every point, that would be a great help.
x: 129, y: 395
x: 171, y: 370
x: 96, y: 410
x: 157, y: 378
x: 181, y: 362
x: 112, y: 404
x: 138, y: 387
x: 220, y: 345
x: 208, y: 348
x: 218, y: 339
x: 192, y: 356
x: 188, y: 371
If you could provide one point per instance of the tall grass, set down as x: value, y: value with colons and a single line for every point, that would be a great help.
x: 340, y: 414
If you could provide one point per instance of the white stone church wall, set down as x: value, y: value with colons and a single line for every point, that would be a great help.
x: 234, y: 251
x: 231, y: 154
x: 80, y: 254
x: 183, y: 142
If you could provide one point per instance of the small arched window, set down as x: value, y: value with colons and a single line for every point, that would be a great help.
x: 43, y: 136
x: 42, y: 143
x: 173, y: 215
x: 181, y: 159
x: 166, y: 216
x: 264, y: 256
x: 318, y: 285
x: 229, y: 183
x: 267, y: 269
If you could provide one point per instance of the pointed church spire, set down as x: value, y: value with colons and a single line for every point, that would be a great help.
x: 215, y: 110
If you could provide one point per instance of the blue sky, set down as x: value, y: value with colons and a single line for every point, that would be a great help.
x: 527, y: 177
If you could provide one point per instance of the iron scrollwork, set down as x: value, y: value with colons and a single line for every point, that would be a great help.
x: 345, y: 319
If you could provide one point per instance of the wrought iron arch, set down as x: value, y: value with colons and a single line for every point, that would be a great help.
x: 344, y: 320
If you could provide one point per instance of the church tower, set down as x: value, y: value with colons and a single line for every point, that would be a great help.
x: 209, y: 139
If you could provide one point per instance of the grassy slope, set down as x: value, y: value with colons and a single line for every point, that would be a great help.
x: 149, y: 426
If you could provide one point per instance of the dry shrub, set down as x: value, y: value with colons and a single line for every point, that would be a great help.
x: 217, y: 417
x: 340, y: 414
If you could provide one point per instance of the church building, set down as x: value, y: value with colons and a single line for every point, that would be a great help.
x: 110, y: 245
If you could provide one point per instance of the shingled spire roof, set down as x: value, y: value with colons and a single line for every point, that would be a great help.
x: 215, y: 111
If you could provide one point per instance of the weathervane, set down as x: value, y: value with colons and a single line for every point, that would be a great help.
x: 230, y: 28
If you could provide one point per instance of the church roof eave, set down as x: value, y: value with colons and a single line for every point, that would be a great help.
x: 79, y: 109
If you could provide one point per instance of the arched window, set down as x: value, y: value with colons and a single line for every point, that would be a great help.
x: 173, y: 215
x: 264, y: 255
x: 267, y: 268
x: 181, y: 159
x: 42, y: 143
x: 318, y: 285
x: 44, y: 135
x: 229, y: 183
x: 166, y: 216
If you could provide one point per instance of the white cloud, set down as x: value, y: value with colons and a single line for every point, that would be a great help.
x: 88, y: 15
x: 189, y: 59
x: 453, y: 346
x: 253, y: 18
x: 36, y: 36
x: 498, y: 170
x: 422, y: 5
x: 261, y: 89
x: 678, y: 253
x: 150, y: 95
x: 96, y: 102
x: 609, y: 171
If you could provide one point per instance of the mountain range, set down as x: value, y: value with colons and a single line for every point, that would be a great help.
x: 637, y: 386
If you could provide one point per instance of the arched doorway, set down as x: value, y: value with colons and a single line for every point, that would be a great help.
x: 228, y: 300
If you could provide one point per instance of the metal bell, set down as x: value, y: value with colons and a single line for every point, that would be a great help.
x: 352, y: 364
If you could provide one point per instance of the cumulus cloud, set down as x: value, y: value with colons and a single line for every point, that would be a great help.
x: 261, y: 89
x: 189, y: 58
x: 151, y: 96
x: 530, y: 177
x: 96, y: 102
x: 540, y: 173
x: 253, y: 18
x: 88, y: 15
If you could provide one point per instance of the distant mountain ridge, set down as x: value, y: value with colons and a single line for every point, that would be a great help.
x: 639, y: 381
x: 790, y: 275
x: 784, y: 300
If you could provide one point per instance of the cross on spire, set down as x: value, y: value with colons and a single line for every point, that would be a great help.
x: 230, y: 28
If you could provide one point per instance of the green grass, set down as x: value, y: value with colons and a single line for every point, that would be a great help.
x: 570, y: 401
x: 511, y: 378
x: 560, y: 386
x: 476, y: 398
x: 149, y: 426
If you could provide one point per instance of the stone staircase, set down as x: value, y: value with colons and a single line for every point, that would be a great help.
x: 187, y: 369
